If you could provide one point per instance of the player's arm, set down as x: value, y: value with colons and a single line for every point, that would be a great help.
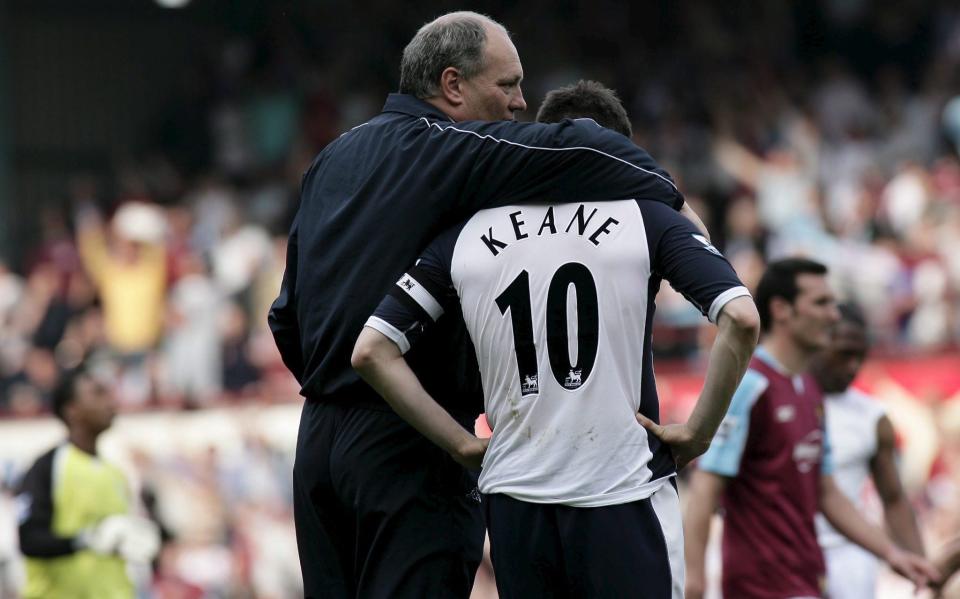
x: 380, y: 362
x: 718, y: 465
x: 571, y: 161
x: 282, y: 317
x: 896, y: 508
x: 418, y: 299
x: 704, y: 494
x: 846, y: 519
x: 685, y: 258
x: 35, y: 514
x: 739, y: 326
x: 690, y: 214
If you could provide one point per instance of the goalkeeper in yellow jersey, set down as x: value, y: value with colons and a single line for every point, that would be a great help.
x: 75, y: 526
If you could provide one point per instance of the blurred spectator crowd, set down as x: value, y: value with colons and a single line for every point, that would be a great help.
x: 161, y: 272
x: 829, y: 130
x: 167, y: 301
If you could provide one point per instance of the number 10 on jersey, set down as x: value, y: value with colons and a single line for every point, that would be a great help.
x: 516, y: 298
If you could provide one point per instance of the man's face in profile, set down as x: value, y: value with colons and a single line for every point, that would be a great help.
x: 494, y: 94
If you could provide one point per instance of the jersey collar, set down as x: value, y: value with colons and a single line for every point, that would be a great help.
x: 407, y: 104
x: 764, y: 354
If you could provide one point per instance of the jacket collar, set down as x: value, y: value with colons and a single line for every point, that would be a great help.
x: 407, y: 104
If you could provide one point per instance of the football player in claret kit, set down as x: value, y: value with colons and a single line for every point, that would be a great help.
x: 558, y: 301
x: 770, y: 463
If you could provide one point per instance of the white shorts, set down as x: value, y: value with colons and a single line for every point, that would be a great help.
x: 851, y: 572
x: 666, y: 504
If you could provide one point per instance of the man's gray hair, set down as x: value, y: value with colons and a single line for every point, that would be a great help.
x: 454, y: 40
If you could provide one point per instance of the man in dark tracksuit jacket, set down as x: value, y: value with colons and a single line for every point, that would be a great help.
x: 380, y: 511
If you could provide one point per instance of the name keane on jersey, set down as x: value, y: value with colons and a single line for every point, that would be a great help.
x: 580, y: 225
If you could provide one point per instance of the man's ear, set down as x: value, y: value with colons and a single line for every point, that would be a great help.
x: 451, y: 86
x: 780, y: 309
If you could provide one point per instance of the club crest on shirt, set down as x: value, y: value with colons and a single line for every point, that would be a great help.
x: 707, y: 245
x: 530, y: 385
x: 785, y: 413
x: 573, y: 380
x: 806, y: 453
x: 727, y: 426
x: 407, y: 282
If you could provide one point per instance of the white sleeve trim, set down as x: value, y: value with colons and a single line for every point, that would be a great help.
x: 419, y: 293
x: 391, y: 332
x: 723, y: 298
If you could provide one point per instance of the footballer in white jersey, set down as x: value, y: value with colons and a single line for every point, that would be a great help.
x: 558, y: 301
x: 862, y: 439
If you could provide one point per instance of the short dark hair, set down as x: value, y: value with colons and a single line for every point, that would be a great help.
x: 65, y: 391
x: 586, y: 99
x: 780, y: 280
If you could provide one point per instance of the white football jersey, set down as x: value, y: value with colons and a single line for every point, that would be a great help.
x: 852, y: 418
x: 558, y: 301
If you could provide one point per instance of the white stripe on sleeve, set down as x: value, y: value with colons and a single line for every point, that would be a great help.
x: 420, y: 295
x: 723, y: 298
x: 392, y: 333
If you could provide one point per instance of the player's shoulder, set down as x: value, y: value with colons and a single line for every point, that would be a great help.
x: 862, y: 402
x: 751, y: 389
x: 40, y: 470
x: 443, y: 245
x: 657, y: 210
x: 659, y: 219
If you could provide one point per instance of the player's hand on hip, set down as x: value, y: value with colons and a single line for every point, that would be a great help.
x: 470, y: 455
x: 685, y: 446
x: 913, y: 567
